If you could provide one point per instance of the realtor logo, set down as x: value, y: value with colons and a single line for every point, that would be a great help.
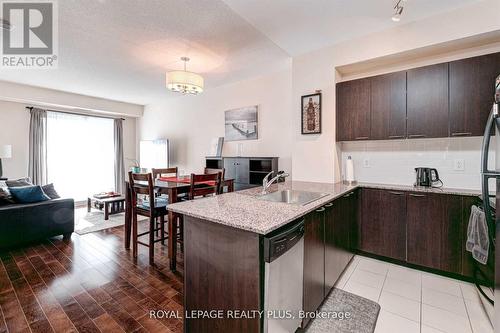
x: 30, y: 41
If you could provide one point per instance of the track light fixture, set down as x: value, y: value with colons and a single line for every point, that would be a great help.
x: 398, y: 8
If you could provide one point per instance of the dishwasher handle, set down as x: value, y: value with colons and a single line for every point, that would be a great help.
x: 277, y: 244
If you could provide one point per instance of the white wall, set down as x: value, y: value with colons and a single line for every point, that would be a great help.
x: 31, y: 95
x: 393, y: 162
x: 15, y: 123
x: 190, y: 122
x: 317, y: 158
x: 14, y: 130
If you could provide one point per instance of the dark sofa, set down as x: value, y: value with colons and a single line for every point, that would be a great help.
x: 24, y: 223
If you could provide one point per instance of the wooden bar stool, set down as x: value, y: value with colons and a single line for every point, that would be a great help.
x: 211, y: 171
x: 152, y: 208
x: 163, y: 172
x: 200, y: 186
x: 204, y: 185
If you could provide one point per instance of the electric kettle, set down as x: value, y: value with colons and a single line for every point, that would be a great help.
x: 427, y: 177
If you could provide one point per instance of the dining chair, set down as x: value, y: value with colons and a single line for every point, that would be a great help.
x: 165, y: 172
x: 200, y: 186
x: 204, y: 185
x: 210, y: 171
x: 152, y: 207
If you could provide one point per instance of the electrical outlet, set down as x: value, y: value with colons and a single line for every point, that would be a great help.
x: 366, y: 163
x: 459, y: 164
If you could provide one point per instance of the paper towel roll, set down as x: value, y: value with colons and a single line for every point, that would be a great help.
x: 349, y: 170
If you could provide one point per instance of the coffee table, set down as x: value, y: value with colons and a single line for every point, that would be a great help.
x: 112, y: 205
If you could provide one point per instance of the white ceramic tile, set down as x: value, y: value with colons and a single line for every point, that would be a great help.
x: 441, y: 284
x: 401, y: 288
x: 368, y: 278
x: 405, y: 274
x: 374, y: 266
x: 444, y: 301
x: 445, y: 321
x: 428, y: 329
x: 469, y: 291
x: 399, y: 305
x: 388, y: 322
x: 362, y: 290
x: 478, y: 318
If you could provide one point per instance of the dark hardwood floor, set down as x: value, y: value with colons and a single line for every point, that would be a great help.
x: 87, y: 284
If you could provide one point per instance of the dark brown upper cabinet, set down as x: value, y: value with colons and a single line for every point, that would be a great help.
x: 353, y: 110
x: 472, y: 89
x: 388, y: 106
x: 383, y: 223
x: 444, y: 100
x: 427, y: 102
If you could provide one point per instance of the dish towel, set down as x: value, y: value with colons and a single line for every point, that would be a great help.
x: 477, y: 235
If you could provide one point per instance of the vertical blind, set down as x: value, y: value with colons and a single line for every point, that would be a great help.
x: 80, y: 154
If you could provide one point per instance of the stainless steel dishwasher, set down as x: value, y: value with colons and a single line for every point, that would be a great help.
x: 284, y: 268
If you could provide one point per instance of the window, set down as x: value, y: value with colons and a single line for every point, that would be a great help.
x: 80, y: 154
x: 154, y: 154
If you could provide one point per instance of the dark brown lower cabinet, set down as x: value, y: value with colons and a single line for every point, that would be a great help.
x: 435, y: 229
x: 314, y: 261
x: 333, y: 246
x: 340, y: 228
x: 383, y: 223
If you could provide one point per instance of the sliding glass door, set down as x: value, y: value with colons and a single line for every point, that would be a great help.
x: 80, y: 154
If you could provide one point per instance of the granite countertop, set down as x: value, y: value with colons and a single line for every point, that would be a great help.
x: 411, y: 188
x: 243, y: 210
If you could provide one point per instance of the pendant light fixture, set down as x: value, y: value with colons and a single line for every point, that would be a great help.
x: 185, y: 82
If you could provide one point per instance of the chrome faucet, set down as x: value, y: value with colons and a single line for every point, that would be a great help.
x: 266, y: 183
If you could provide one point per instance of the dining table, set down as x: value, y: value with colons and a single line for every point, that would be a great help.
x: 172, y: 187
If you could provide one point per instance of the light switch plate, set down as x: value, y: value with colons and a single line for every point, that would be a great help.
x: 366, y: 163
x: 459, y: 164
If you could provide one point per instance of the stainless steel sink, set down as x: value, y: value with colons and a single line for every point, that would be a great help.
x: 293, y: 197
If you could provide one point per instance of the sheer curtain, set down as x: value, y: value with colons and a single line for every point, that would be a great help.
x: 80, y: 154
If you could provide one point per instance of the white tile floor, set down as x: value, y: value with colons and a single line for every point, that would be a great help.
x: 415, y: 301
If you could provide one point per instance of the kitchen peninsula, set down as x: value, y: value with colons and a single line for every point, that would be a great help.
x: 225, y: 249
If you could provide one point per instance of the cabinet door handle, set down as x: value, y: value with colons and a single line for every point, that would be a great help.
x: 417, y: 195
x: 396, y: 193
x: 329, y: 204
x: 348, y: 195
x: 396, y: 136
x: 416, y: 136
x: 461, y: 133
x: 361, y: 138
x: 322, y: 209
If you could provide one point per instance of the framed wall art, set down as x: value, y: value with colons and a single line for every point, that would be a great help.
x: 311, y: 114
x: 241, y: 124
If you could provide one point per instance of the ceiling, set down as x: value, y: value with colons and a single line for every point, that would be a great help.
x: 121, y: 50
x: 300, y: 26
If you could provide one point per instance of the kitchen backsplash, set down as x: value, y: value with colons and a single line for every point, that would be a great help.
x: 393, y: 162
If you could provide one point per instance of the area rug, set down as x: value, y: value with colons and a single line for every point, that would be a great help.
x: 94, y: 221
x: 363, y: 314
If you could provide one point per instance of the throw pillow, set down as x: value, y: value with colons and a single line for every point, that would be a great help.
x: 50, y: 191
x: 19, y: 182
x: 28, y: 194
x: 5, y: 197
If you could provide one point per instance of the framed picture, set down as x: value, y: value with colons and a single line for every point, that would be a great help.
x: 311, y: 114
x: 241, y: 124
